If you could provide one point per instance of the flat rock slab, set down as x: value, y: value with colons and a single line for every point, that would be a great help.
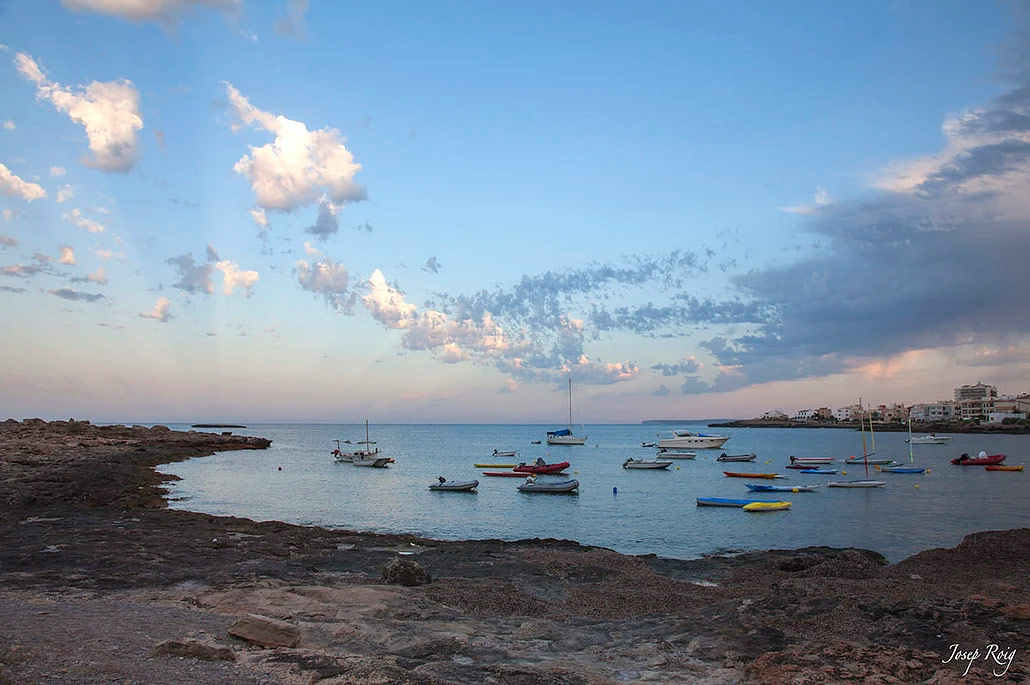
x: 265, y: 631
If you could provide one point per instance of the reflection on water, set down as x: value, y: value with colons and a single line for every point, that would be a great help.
x: 653, y: 512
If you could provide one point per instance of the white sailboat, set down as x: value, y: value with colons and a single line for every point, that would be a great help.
x: 370, y: 458
x: 565, y: 436
x: 363, y: 452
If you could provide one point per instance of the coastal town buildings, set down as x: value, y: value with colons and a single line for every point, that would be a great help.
x: 975, y: 392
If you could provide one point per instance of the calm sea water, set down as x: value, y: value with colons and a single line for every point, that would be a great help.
x: 653, y: 511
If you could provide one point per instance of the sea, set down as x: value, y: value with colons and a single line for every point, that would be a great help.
x: 630, y: 511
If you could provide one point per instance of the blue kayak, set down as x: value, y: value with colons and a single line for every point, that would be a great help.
x: 723, y: 502
x: 821, y: 472
x: 903, y: 469
x: 782, y: 488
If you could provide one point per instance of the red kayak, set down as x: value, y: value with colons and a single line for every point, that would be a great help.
x: 734, y: 474
x: 966, y: 460
x: 546, y: 468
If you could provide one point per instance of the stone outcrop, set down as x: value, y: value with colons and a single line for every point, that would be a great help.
x: 265, y: 631
x: 406, y: 572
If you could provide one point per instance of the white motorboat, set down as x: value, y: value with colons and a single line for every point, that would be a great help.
x: 455, y: 485
x: 675, y: 454
x: 562, y: 486
x: 930, y: 439
x: 736, y: 457
x: 688, y: 440
x: 565, y: 436
x: 511, y: 453
x: 641, y: 464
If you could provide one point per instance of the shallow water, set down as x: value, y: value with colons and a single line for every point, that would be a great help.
x: 653, y: 512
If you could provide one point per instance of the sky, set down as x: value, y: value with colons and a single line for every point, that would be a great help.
x: 440, y: 212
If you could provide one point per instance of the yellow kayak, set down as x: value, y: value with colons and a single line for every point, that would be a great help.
x: 495, y: 466
x: 766, y: 506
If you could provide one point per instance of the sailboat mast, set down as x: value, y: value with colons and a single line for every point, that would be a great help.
x: 911, y: 459
x: 570, y: 405
x: 366, y: 435
x: 861, y: 423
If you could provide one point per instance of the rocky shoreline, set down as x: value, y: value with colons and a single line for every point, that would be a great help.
x: 942, y: 427
x: 101, y: 582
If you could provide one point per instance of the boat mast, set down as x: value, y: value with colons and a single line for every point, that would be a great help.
x: 911, y: 459
x: 861, y: 423
x: 570, y: 405
x: 366, y: 436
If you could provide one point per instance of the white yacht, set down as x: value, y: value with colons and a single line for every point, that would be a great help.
x: 687, y: 440
x: 930, y: 439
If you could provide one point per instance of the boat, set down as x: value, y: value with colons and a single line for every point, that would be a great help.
x: 782, y: 488
x: 454, y: 485
x: 504, y: 474
x: 903, y: 469
x: 561, y: 486
x: 930, y: 439
x: 535, y: 442
x: 641, y: 464
x: 999, y: 467
x: 365, y: 452
x: 822, y: 472
x: 723, y: 502
x: 766, y: 506
x: 495, y: 466
x: 647, y: 444
x: 983, y: 459
x: 857, y: 484
x: 811, y: 460
x: 878, y: 461
x: 675, y: 454
x: 734, y: 474
x: 736, y: 457
x: 504, y: 454
x: 686, y: 439
x: 375, y: 462
x: 799, y: 467
x: 565, y: 436
x: 540, y: 467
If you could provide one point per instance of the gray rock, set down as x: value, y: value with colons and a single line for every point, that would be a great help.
x: 406, y: 572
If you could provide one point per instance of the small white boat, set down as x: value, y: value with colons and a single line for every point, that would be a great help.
x: 930, y: 439
x: 811, y: 460
x: 455, y: 485
x: 675, y: 454
x: 562, y: 486
x: 736, y: 457
x: 505, y: 454
x: 687, y: 440
x: 647, y: 444
x: 857, y: 484
x: 641, y: 464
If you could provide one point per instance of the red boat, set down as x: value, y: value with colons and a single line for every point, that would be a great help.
x: 541, y: 468
x: 734, y: 474
x: 799, y: 466
x: 987, y: 460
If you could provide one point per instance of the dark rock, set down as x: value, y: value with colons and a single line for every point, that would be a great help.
x: 265, y: 631
x: 195, y: 649
x: 406, y: 572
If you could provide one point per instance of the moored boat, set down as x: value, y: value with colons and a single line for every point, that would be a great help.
x: 724, y: 502
x: 782, y: 488
x: 857, y: 484
x: 495, y: 466
x: 687, y: 440
x: 562, y: 486
x: 373, y: 461
x: 875, y: 461
x: 675, y: 454
x: 641, y: 464
x: 540, y: 467
x: 454, y: 485
x: 766, y: 506
x: 822, y: 472
x: 504, y: 474
x: 734, y: 474
x: 510, y: 453
x: 982, y: 459
x: 736, y: 457
x: 811, y: 460
x: 999, y: 467
x: 565, y: 436
x: 903, y: 469
x: 930, y: 439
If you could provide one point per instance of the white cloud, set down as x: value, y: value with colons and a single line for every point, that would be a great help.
x: 100, y: 277
x: 77, y: 218
x: 9, y: 125
x: 109, y: 111
x: 233, y: 277
x: 259, y: 217
x: 327, y: 278
x: 309, y: 250
x: 67, y: 254
x: 65, y: 193
x: 168, y: 12
x: 160, y: 310
x: 298, y: 165
x: 12, y: 185
x: 58, y: 171
x: 820, y: 199
x: 108, y: 254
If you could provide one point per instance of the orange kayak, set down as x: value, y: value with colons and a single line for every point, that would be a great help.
x: 999, y: 467
x: 734, y: 474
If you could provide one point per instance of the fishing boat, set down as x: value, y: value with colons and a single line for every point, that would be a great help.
x: 782, y: 488
x: 540, y: 467
x: 811, y: 460
x: 723, y: 502
x: 999, y: 467
x: 766, y: 506
x: 736, y: 457
x: 983, y: 459
x: 562, y: 486
x: 365, y: 452
x: 822, y: 472
x: 675, y: 454
x: 565, y: 436
x: 930, y: 439
x: 641, y: 464
x: 857, y: 484
x: 504, y: 454
x: 734, y: 474
x: 454, y: 485
x: 685, y: 439
x: 903, y: 469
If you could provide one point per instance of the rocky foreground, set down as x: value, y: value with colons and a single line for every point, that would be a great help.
x: 99, y: 582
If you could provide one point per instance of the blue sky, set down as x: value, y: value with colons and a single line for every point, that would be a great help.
x: 693, y: 209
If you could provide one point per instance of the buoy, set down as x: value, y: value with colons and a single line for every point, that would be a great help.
x: 917, y: 487
x: 615, y: 491
x: 928, y: 470
x: 843, y: 473
x: 677, y: 468
x: 794, y: 490
x: 280, y: 468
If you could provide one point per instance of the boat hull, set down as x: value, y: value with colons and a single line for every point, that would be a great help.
x: 998, y: 467
x: 989, y: 460
x: 667, y: 454
x: 857, y: 484
x: 630, y: 464
x: 546, y: 468
x: 724, y: 502
x: 734, y: 474
x: 378, y: 462
x: 871, y: 462
x: 564, y: 486
x: 697, y: 442
x: 567, y: 440
x: 736, y: 457
x: 455, y: 486
x: 782, y: 488
x: 758, y: 507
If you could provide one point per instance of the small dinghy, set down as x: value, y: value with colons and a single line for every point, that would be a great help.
x: 903, y: 469
x: 766, y: 506
x: 998, y: 467
x: 736, y: 457
x: 504, y: 454
x: 675, y: 454
x: 876, y: 461
x: 454, y: 485
x: 561, y: 486
x: 822, y: 472
x: 734, y: 474
x: 782, y: 488
x: 981, y: 460
x: 811, y: 460
x: 857, y: 484
x: 495, y: 466
x: 723, y: 502
x: 641, y: 464
x: 540, y: 467
x: 647, y: 444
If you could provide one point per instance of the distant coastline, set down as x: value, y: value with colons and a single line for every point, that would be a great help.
x: 893, y: 427
x: 217, y: 425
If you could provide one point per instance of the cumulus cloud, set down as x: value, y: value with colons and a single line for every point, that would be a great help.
x: 99, y: 277
x: 192, y: 277
x: 22, y: 270
x: 65, y: 193
x: 432, y: 266
x: 329, y: 279
x: 327, y: 222
x: 299, y: 165
x: 212, y: 253
x: 58, y: 171
x: 9, y: 125
x: 167, y: 12
x: 820, y: 199
x: 109, y: 111
x: 260, y: 217
x: 309, y: 249
x: 292, y: 21
x: 160, y: 310
x: 67, y: 254
x: 13, y: 186
x: 75, y: 295
x: 233, y: 277
x: 79, y: 219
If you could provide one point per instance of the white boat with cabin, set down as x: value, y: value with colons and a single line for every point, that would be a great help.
x: 687, y: 440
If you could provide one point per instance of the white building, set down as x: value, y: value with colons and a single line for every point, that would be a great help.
x: 975, y: 392
x: 805, y: 415
x: 943, y: 410
x: 850, y: 413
